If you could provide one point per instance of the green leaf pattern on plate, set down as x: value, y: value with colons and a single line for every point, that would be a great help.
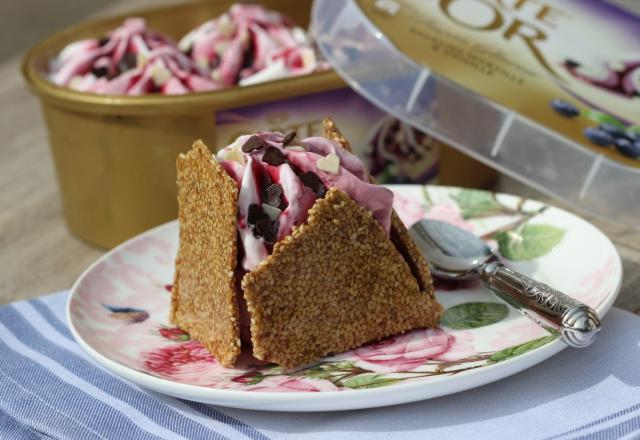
x: 529, y: 241
x: 474, y: 315
x: 519, y: 240
x: 517, y: 350
x: 369, y: 380
x: 476, y: 203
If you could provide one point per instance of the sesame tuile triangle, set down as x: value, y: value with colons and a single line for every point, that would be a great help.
x: 398, y: 233
x: 204, y: 301
x: 333, y: 133
x: 335, y: 283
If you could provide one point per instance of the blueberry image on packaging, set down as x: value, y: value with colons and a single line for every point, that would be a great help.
x: 633, y: 136
x: 628, y: 148
x: 565, y: 108
x: 613, y: 130
x: 598, y: 136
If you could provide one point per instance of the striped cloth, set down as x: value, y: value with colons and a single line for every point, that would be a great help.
x: 49, y: 388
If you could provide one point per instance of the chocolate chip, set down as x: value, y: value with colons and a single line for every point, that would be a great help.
x: 99, y: 72
x: 288, y: 138
x: 255, y: 214
x: 313, y: 182
x: 267, y: 230
x: 127, y: 62
x: 253, y: 143
x: 572, y: 64
x: 274, y: 157
x: 102, y: 41
x: 272, y: 195
x: 248, y: 56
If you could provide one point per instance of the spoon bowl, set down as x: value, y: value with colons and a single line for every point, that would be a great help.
x: 453, y: 253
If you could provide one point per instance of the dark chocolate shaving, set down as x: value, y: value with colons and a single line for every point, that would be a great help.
x: 272, y: 195
x: 274, y: 157
x: 253, y: 143
x: 267, y: 229
x: 127, y: 62
x: 313, y: 182
x: 248, y: 56
x: 572, y: 64
x: 288, y: 138
x: 99, y: 72
x: 262, y: 225
x: 256, y: 214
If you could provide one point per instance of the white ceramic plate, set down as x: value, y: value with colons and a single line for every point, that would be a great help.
x: 118, y: 312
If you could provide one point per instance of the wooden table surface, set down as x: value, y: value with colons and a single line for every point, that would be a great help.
x: 39, y: 255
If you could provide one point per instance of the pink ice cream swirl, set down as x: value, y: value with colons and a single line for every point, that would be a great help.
x: 280, y: 178
x: 250, y: 44
x: 130, y: 60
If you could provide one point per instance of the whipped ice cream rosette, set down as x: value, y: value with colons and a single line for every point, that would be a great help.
x: 130, y: 60
x: 282, y: 181
x: 250, y: 44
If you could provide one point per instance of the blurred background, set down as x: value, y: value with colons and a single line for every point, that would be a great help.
x: 25, y: 22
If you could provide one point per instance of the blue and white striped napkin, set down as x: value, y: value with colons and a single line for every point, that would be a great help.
x: 50, y: 389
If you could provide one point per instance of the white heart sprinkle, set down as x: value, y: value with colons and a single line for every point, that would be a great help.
x: 295, y: 148
x: 141, y: 60
x: 221, y: 47
x: 233, y: 151
x: 233, y: 154
x: 271, y: 211
x: 329, y: 163
x: 75, y: 82
x: 160, y: 74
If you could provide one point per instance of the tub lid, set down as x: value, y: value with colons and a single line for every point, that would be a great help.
x: 547, y: 92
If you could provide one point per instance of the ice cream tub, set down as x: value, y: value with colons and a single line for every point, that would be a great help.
x: 115, y: 154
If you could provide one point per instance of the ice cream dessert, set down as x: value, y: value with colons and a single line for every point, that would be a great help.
x: 288, y: 245
x: 398, y: 153
x: 245, y: 46
x: 621, y: 77
x: 248, y: 45
x: 130, y: 60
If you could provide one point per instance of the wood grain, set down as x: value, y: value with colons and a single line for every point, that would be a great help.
x: 39, y: 255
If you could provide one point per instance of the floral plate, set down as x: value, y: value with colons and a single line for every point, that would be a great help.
x: 118, y: 312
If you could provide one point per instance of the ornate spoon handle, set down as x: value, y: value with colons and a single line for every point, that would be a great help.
x: 576, y: 322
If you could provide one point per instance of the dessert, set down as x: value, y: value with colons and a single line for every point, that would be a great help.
x: 248, y: 45
x: 245, y: 46
x: 130, y: 60
x: 288, y: 245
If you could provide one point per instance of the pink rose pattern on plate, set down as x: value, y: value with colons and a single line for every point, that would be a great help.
x: 404, y: 352
x: 121, y: 310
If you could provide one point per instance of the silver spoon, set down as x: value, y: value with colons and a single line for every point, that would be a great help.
x: 454, y: 253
